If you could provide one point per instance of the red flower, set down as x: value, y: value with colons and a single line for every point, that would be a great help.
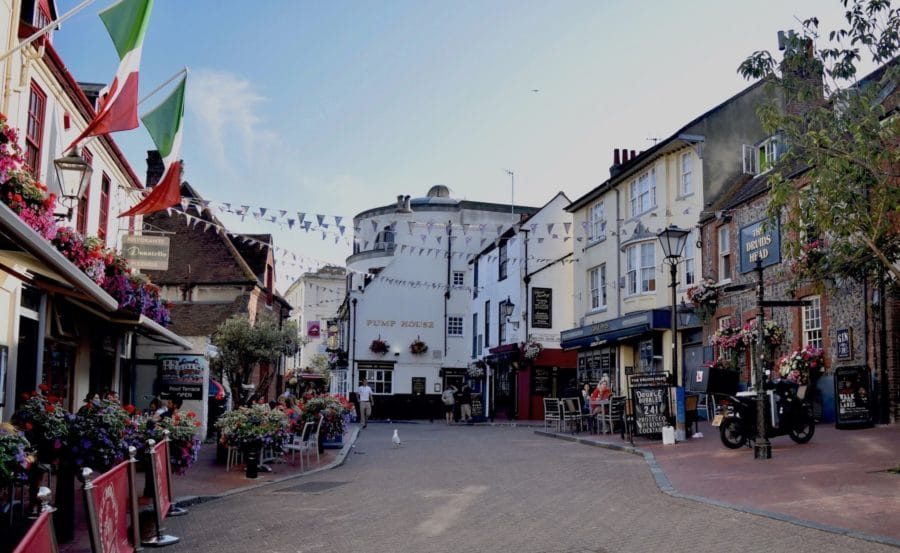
x: 197, y: 424
x: 129, y: 409
x: 191, y: 414
x: 23, y: 395
x: 28, y: 426
x: 49, y: 408
x: 43, y: 387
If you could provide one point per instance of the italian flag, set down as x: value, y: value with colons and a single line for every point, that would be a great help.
x: 164, y: 124
x: 126, y: 22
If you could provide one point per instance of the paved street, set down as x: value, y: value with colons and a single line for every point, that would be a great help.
x: 483, y: 489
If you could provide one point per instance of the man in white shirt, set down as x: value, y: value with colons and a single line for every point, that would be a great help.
x: 365, y: 402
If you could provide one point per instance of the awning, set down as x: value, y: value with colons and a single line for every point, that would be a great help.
x: 610, y: 337
x: 141, y: 323
x: 555, y: 357
x: 216, y: 390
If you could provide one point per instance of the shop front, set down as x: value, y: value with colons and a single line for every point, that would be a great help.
x: 61, y: 330
x: 620, y: 347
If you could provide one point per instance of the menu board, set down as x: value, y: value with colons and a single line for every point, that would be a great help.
x: 542, y: 307
x: 852, y: 393
x: 540, y: 381
x: 477, y: 407
x: 650, y: 399
x: 418, y: 385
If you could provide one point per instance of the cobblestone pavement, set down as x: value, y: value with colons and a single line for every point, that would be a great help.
x: 485, y: 489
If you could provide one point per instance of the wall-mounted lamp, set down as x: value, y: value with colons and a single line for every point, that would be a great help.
x: 73, y: 173
x: 508, y: 309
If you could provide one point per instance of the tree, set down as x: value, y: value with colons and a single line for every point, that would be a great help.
x: 242, y: 346
x: 842, y: 138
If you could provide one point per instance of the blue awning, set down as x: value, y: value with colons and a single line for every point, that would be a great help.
x: 603, y: 338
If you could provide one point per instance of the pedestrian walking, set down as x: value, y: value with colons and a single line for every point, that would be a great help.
x: 465, y: 404
x: 366, y: 401
x: 449, y: 402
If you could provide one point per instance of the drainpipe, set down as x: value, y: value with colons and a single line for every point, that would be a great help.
x: 618, y: 258
x: 447, y: 292
x: 353, y: 347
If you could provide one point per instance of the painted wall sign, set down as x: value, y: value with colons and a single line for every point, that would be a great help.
x: 844, y: 339
x: 402, y: 324
x: 182, y: 375
x: 760, y: 241
x: 146, y: 252
x: 542, y: 307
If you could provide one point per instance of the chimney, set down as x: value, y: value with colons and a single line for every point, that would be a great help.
x: 624, y: 156
x: 616, y: 157
x: 155, y: 168
x: 633, y: 155
x: 799, y: 61
x: 400, y: 203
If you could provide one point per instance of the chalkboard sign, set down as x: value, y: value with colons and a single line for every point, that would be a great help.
x: 852, y: 393
x: 650, y: 399
x: 540, y: 381
x: 477, y: 407
x: 418, y: 385
x: 542, y: 307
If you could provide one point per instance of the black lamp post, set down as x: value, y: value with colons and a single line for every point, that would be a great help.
x: 73, y: 173
x: 673, y: 239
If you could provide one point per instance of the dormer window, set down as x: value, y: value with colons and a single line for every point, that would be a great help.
x: 762, y: 156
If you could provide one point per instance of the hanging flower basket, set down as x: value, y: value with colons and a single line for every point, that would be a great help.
x: 379, y: 346
x: 802, y: 365
x: 704, y: 297
x: 476, y: 370
x: 418, y: 347
x: 531, y: 349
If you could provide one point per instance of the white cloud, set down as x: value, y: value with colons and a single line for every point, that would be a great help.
x: 227, y: 107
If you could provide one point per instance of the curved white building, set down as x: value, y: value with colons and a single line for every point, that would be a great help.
x: 408, y: 280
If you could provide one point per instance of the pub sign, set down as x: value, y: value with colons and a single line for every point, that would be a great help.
x: 760, y: 241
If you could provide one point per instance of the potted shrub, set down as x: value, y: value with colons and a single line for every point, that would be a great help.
x: 336, y: 412
x: 97, y: 435
x: 15, y: 459
x: 250, y: 429
x: 46, y: 425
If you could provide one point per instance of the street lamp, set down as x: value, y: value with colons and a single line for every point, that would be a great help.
x: 673, y: 239
x: 73, y: 173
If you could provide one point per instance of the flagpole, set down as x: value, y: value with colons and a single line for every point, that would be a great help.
x: 47, y: 28
x: 183, y: 71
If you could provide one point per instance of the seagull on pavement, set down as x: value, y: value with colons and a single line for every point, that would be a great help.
x: 395, y: 439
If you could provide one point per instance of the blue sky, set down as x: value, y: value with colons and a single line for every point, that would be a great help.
x: 336, y: 107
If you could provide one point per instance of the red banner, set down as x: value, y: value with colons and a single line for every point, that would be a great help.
x: 39, y: 538
x: 110, y: 497
x: 312, y: 329
x: 160, y: 456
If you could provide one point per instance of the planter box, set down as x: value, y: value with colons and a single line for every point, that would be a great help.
x: 333, y: 442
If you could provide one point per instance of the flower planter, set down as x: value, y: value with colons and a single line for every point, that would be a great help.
x: 333, y: 442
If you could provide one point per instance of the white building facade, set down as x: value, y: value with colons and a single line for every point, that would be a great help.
x: 521, y: 302
x: 315, y: 298
x: 409, y: 282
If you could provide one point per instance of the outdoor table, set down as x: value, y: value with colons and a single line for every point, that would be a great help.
x: 600, y: 411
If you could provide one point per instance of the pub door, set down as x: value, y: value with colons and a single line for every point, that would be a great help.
x: 504, y: 384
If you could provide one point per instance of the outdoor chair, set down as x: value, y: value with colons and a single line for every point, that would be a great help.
x: 299, y: 444
x: 312, y: 440
x: 235, y: 458
x: 571, y: 413
x: 551, y: 412
x: 691, y: 415
x: 613, y: 418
